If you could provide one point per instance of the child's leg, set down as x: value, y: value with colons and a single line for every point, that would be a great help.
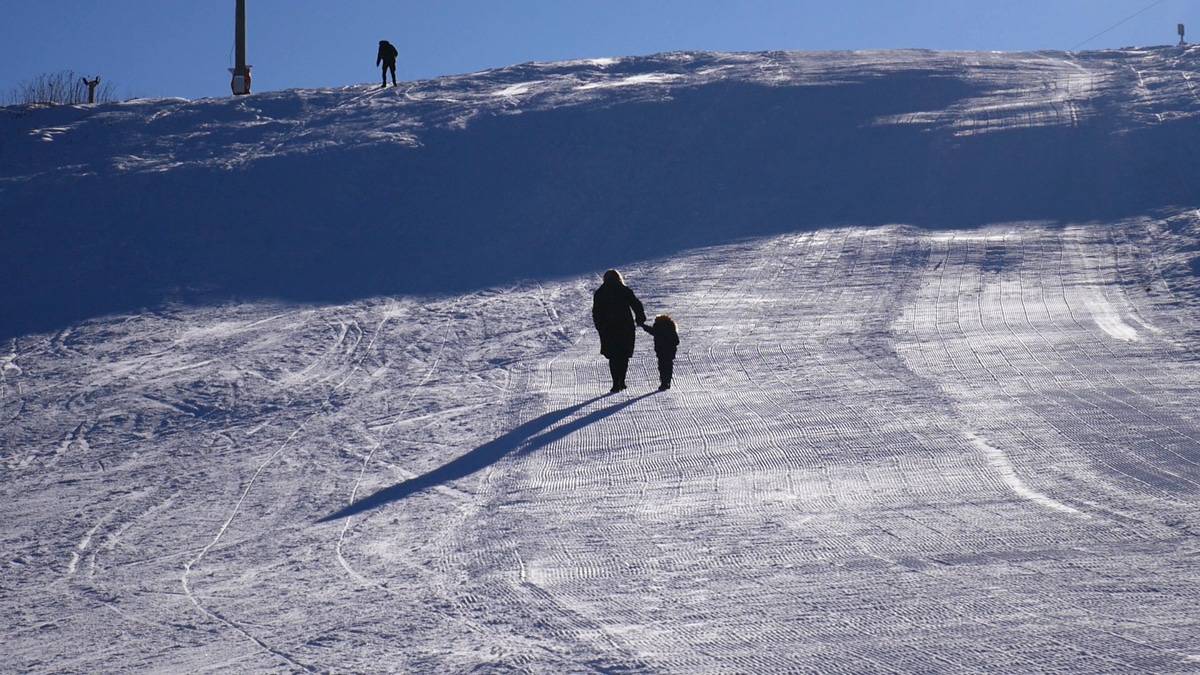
x: 666, y: 366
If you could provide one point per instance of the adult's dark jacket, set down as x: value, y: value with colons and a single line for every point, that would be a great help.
x: 616, y: 311
x: 387, y: 53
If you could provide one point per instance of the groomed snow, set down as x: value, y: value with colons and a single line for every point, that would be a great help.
x: 953, y: 439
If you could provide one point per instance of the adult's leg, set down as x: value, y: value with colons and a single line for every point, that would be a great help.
x: 622, y: 366
x: 384, y: 73
x: 392, y: 67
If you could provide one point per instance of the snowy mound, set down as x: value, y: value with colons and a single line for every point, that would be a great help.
x: 308, y: 380
x: 542, y: 170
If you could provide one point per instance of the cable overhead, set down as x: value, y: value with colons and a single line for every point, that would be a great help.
x: 1141, y: 11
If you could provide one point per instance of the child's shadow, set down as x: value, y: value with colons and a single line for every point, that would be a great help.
x: 527, y: 438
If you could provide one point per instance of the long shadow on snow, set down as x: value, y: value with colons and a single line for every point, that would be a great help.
x: 527, y: 438
x: 562, y: 192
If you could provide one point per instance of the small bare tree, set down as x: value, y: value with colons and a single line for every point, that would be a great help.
x: 65, y: 87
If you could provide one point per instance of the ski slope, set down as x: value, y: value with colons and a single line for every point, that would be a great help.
x: 307, y: 381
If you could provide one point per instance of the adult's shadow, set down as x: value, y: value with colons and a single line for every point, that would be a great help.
x: 527, y: 438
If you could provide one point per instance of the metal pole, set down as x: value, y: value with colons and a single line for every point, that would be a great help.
x: 240, y: 37
x: 241, y: 71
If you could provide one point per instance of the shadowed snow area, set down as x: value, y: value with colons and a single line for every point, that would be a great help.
x: 307, y: 380
x: 545, y: 171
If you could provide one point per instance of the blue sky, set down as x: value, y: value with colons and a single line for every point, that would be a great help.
x: 183, y: 47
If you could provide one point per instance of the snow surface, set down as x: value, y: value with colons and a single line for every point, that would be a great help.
x: 306, y: 380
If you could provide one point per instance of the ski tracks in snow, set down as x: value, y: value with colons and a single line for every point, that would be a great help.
x: 928, y: 402
x: 339, y: 346
x: 873, y: 432
x: 383, y: 436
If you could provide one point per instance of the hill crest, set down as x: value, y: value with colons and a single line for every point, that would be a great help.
x: 540, y: 170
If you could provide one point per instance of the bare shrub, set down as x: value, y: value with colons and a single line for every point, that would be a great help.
x: 65, y: 87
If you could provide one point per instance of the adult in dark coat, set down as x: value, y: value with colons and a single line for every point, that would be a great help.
x: 617, y: 313
x: 387, y: 56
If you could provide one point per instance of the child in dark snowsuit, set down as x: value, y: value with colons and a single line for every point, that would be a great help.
x: 666, y: 340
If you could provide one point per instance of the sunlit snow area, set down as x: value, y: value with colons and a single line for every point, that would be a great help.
x: 307, y: 380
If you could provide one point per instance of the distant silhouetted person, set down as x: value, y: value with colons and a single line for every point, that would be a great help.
x: 387, y: 57
x: 616, y: 311
x: 91, y: 85
x: 666, y: 341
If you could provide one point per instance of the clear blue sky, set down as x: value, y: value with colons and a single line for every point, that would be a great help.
x: 183, y: 47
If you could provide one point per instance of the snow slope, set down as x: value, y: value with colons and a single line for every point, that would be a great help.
x: 306, y: 381
x: 549, y: 170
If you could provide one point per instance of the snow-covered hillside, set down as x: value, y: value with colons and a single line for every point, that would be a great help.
x: 306, y: 380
